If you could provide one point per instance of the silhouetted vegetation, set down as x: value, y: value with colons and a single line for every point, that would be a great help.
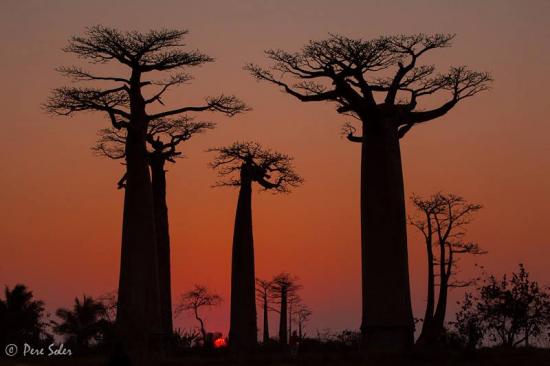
x: 302, y: 314
x: 442, y: 220
x: 241, y: 165
x: 193, y: 300
x: 352, y: 73
x: 163, y: 138
x: 284, y: 289
x: 379, y: 82
x: 22, y: 317
x: 263, y: 289
x: 85, y: 325
x: 506, y: 312
x: 126, y: 103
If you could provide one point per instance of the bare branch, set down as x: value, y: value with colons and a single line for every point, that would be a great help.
x: 270, y: 169
x: 78, y: 74
x: 262, y: 74
x: 176, y: 79
x: 462, y: 83
x: 65, y: 101
x: 226, y: 104
x: 163, y: 137
x: 349, y: 130
x: 347, y: 71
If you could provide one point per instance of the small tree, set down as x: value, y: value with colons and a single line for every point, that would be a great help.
x: 195, y: 299
x: 379, y: 82
x: 442, y: 220
x: 241, y: 165
x: 510, y: 311
x: 83, y: 325
x: 21, y: 317
x: 468, y: 323
x: 263, y: 291
x: 284, y: 287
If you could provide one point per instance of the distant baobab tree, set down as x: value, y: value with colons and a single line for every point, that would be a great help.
x: 442, y: 219
x: 283, y: 289
x: 263, y: 288
x: 195, y: 299
x: 302, y: 314
x: 126, y: 102
x: 293, y: 302
x: 241, y: 165
x: 163, y: 138
x: 353, y: 73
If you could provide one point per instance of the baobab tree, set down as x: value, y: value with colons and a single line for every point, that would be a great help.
x: 353, y: 73
x: 284, y: 288
x: 193, y: 300
x: 442, y: 219
x: 302, y: 314
x: 126, y: 101
x: 163, y: 138
x: 263, y: 288
x: 241, y: 165
x: 293, y: 302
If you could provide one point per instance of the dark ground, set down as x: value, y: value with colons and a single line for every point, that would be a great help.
x: 484, y: 357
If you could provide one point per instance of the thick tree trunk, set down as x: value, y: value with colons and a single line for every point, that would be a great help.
x: 283, y: 335
x: 138, y: 320
x: 163, y: 241
x: 138, y: 311
x: 387, y: 321
x: 242, y: 329
x: 430, y: 305
x: 266, y: 321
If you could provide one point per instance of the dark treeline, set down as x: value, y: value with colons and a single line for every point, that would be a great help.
x: 511, y: 311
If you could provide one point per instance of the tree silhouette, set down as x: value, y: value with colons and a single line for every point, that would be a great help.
x: 263, y: 288
x: 353, y: 73
x: 293, y: 301
x: 193, y: 300
x: 468, y: 323
x: 241, y: 165
x: 126, y: 103
x: 302, y: 315
x: 442, y: 220
x: 507, y: 311
x: 163, y: 138
x: 284, y: 287
x: 21, y: 317
x: 85, y: 323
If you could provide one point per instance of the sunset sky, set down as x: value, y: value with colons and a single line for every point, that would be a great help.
x: 60, y: 217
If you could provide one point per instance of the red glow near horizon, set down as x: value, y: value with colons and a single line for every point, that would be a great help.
x: 220, y: 343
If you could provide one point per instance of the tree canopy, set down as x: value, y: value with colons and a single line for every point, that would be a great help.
x: 272, y: 170
x: 354, y: 74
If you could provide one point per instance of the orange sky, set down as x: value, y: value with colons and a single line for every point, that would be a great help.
x: 60, y: 217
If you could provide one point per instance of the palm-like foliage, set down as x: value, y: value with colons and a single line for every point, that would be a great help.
x: 86, y: 323
x: 21, y: 317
